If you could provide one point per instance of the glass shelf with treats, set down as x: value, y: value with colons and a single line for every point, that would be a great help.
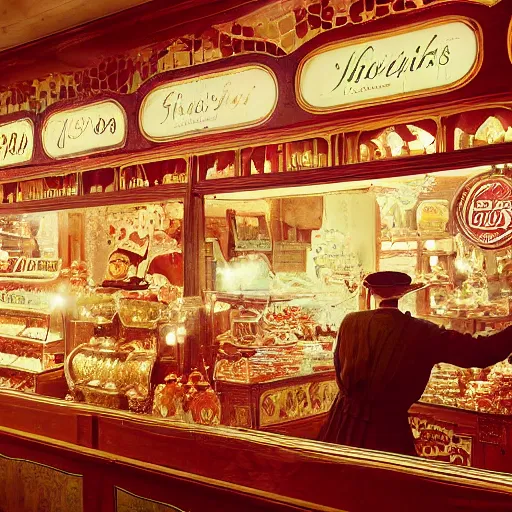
x: 469, y: 288
x: 117, y: 272
x: 267, y: 338
x: 30, y: 340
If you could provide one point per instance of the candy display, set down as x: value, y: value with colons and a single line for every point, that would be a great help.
x: 488, y: 391
x: 31, y: 341
x: 280, y: 340
x: 102, y: 375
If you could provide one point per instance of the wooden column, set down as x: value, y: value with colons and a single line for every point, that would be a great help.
x: 193, y: 237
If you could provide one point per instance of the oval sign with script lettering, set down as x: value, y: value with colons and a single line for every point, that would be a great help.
x: 423, y: 60
x: 230, y: 100
x: 16, y: 142
x: 100, y: 126
x: 483, y: 210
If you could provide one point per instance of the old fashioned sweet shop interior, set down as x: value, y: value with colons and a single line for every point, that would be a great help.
x: 188, y: 214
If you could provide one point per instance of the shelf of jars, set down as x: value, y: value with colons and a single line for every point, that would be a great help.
x: 111, y: 184
x: 418, y: 138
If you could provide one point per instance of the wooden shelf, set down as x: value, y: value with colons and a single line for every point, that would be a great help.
x: 438, y: 253
x: 409, y: 166
x: 134, y: 195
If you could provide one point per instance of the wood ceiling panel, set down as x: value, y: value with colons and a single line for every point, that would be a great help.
x: 22, y: 21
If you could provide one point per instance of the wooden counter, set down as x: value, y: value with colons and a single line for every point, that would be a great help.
x: 147, y: 456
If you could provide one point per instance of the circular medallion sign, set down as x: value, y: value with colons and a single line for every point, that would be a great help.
x: 483, y: 210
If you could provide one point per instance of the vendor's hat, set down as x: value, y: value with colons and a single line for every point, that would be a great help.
x: 391, y: 285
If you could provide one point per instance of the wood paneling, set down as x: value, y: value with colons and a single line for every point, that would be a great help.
x: 22, y: 21
x: 332, y: 476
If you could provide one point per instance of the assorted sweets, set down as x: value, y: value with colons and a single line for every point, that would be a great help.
x: 31, y: 337
x: 488, y: 390
x: 124, y: 296
x: 281, y: 340
x: 114, y: 367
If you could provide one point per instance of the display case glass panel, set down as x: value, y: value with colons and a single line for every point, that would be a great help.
x: 283, y: 307
x: 115, y: 272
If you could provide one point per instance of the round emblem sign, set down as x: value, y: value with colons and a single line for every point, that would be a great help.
x: 483, y: 210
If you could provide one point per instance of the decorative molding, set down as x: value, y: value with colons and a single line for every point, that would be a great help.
x: 276, y: 29
x: 129, y: 502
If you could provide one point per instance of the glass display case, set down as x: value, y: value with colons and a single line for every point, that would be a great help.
x: 274, y: 364
x: 283, y: 305
x: 134, y: 293
x: 468, y: 285
x: 31, y: 345
x: 274, y: 309
x: 32, y: 310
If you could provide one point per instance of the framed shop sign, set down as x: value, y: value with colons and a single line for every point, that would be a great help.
x: 227, y: 100
x: 483, y: 210
x: 16, y: 142
x: 420, y: 59
x: 85, y: 130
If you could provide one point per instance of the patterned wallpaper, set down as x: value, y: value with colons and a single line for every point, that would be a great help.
x: 276, y: 29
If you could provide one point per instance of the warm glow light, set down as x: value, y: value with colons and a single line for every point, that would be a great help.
x: 425, y: 137
x: 396, y: 143
x: 170, y: 338
x: 462, y: 265
x: 58, y: 301
x: 228, y: 275
x: 430, y: 245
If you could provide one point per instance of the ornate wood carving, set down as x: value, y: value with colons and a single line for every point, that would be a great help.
x: 277, y: 29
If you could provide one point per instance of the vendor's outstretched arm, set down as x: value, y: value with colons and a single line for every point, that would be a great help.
x: 469, y: 351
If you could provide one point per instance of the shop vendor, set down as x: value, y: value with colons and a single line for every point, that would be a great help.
x: 383, y: 359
